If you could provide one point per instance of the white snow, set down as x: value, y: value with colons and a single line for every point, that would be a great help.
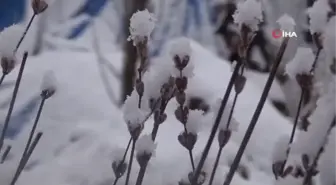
x: 327, y: 164
x: 49, y: 81
x: 133, y: 115
x: 9, y: 38
x: 280, y: 148
x: 289, y: 180
x: 286, y: 22
x: 145, y: 145
x: 83, y: 129
x: 301, y: 63
x: 141, y: 26
x: 329, y: 41
x: 248, y: 13
x: 195, y: 121
x: 318, y: 16
x: 233, y: 125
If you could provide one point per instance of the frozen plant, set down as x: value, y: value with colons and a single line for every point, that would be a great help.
x: 141, y: 26
x: 181, y: 52
x: 301, y: 63
x: 248, y: 13
x: 286, y: 22
x: 49, y: 85
x: 145, y: 150
x: 9, y: 38
x: 134, y: 116
x: 318, y: 16
x: 279, y: 155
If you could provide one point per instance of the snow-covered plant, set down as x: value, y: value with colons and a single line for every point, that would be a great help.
x: 318, y: 16
x: 301, y: 64
x: 249, y: 13
x: 49, y: 85
x: 329, y: 43
x: 286, y: 22
x: 141, y: 26
x: 145, y: 150
x: 181, y: 56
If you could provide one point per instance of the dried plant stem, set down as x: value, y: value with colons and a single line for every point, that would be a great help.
x: 32, y: 132
x: 257, y: 113
x: 155, y: 130
x: 130, y: 163
x: 24, y: 162
x: 123, y: 159
x: 296, y: 120
x: 5, y: 154
x: 11, y: 106
x: 214, y: 169
x: 2, y: 78
x: 216, y: 124
x: 25, y: 32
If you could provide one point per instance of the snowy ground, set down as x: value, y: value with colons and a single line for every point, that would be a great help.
x: 83, y: 129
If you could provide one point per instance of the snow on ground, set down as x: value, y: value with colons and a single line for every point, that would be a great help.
x: 83, y: 129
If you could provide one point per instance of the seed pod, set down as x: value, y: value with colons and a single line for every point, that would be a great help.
x: 7, y: 64
x: 39, y: 6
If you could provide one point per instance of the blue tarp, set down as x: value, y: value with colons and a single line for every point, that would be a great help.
x: 11, y: 11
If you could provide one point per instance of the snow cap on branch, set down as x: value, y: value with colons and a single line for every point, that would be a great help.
x: 145, y: 145
x: 9, y: 38
x: 289, y: 180
x: 248, y: 13
x: 49, y: 84
x: 301, y: 63
x: 195, y: 121
x: 181, y: 48
x: 329, y: 42
x: 133, y: 115
x: 286, y: 22
x: 318, y: 16
x: 142, y: 24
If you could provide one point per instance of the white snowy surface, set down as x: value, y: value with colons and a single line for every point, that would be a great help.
x: 83, y: 130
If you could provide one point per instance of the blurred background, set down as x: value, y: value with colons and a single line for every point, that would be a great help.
x: 101, y: 26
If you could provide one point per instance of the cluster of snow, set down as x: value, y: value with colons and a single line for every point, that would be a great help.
x: 318, y: 16
x: 195, y: 121
x: 133, y: 115
x: 280, y: 148
x: 49, y: 81
x: 181, y: 47
x: 249, y: 13
x: 286, y: 22
x: 141, y: 26
x: 9, y: 38
x: 301, y: 63
x: 327, y: 163
x: 145, y: 145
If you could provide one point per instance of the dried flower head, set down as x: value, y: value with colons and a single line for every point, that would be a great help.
x: 39, y: 6
x: 141, y: 26
x: 49, y: 85
x: 7, y: 64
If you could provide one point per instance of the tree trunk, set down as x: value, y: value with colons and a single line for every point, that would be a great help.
x: 130, y: 53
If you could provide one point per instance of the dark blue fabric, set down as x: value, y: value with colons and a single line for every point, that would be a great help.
x: 91, y: 8
x: 11, y: 11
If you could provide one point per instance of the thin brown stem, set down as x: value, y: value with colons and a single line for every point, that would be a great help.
x: 5, y: 154
x: 123, y: 160
x: 24, y: 162
x: 214, y: 169
x: 130, y: 163
x: 214, y: 129
x: 12, y: 102
x: 25, y: 32
x: 257, y: 113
